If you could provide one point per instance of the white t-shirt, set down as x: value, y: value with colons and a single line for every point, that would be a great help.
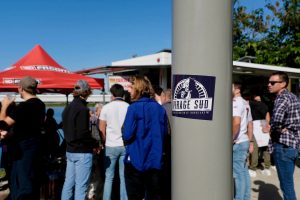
x: 114, y: 114
x: 242, y: 109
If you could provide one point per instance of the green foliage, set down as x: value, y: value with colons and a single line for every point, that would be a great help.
x: 273, y: 39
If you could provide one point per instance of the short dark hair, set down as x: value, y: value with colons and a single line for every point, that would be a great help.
x: 238, y: 85
x: 50, y: 112
x: 117, y: 90
x: 127, y: 97
x: 158, y: 90
x: 283, y: 77
x: 29, y: 84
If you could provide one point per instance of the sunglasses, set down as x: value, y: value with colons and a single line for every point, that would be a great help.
x: 274, y: 82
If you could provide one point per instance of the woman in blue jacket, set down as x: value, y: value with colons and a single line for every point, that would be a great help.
x: 144, y: 130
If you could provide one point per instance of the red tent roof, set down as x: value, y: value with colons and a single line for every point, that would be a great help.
x: 37, y: 56
x: 52, y: 77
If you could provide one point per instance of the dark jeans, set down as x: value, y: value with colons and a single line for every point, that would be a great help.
x: 285, y: 159
x: 26, y: 170
x: 142, y: 184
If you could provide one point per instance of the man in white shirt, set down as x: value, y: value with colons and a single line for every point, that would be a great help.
x: 111, y: 121
x: 242, y: 133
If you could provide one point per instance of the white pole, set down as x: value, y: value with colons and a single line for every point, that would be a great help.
x: 201, y: 139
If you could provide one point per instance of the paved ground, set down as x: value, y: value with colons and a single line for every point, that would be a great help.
x: 263, y: 187
x: 267, y: 187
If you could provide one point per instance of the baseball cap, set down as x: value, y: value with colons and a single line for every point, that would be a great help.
x: 29, y: 84
x: 82, y: 88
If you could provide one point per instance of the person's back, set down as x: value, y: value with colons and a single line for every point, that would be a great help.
x: 111, y: 121
x: 76, y: 127
x: 167, y: 104
x: 149, y: 134
x: 114, y: 114
x: 259, y: 110
x: 29, y: 116
x: 240, y: 109
x: 261, y: 117
x: 94, y: 122
x: 80, y: 143
x: 51, y: 138
x: 144, y: 131
x: 241, y: 133
x: 27, y: 120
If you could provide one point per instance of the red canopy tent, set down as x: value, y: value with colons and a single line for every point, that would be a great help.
x: 51, y: 76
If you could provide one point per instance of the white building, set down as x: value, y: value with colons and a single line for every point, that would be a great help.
x: 157, y: 67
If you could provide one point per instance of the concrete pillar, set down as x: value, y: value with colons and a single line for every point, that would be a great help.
x: 201, y: 139
x: 163, y: 78
x: 106, y: 84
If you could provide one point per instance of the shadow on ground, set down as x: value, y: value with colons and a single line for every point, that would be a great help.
x: 267, y: 191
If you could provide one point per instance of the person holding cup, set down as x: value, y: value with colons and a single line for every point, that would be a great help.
x: 27, y: 123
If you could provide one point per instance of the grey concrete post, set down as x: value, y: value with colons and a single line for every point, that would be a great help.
x: 202, y: 149
x: 106, y: 85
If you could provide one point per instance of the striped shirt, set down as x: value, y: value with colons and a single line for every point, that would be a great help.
x: 285, y: 121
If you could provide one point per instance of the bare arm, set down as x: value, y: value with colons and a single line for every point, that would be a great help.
x: 236, y: 123
x: 250, y: 135
x: 3, y: 113
x: 9, y: 121
x: 6, y: 118
x: 4, y: 105
x: 250, y: 130
x: 102, y: 127
x: 267, y: 128
x: 268, y: 118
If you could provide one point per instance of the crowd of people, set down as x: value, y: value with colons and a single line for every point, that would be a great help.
x: 133, y: 134
x: 283, y: 126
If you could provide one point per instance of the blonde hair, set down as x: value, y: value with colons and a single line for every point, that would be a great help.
x: 98, y: 108
x: 142, y: 87
x: 168, y: 93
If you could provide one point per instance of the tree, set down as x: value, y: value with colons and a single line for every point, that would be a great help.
x: 272, y: 39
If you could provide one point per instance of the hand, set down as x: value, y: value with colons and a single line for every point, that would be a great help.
x: 266, y: 128
x: 7, y: 100
x: 97, y: 150
x: 251, y: 147
x: 284, y: 130
x: 3, y: 134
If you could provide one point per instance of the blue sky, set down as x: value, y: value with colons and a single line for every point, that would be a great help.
x: 253, y: 4
x: 84, y: 33
x: 81, y: 34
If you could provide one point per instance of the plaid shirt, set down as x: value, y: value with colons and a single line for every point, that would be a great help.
x: 285, y: 121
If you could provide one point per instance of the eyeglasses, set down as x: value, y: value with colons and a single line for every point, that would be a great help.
x: 274, y: 82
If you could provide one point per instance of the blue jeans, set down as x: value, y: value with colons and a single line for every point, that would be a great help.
x: 79, y: 166
x: 26, y: 170
x: 285, y: 159
x: 112, y: 155
x: 240, y: 171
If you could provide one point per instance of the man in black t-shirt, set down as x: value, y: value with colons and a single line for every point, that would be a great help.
x: 259, y: 111
x: 27, y: 120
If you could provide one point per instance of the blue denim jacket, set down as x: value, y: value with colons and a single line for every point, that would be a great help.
x: 144, y: 130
